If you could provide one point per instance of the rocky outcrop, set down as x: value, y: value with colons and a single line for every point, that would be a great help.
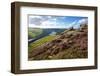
x: 69, y: 44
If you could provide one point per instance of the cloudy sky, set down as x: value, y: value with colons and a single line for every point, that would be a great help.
x: 42, y: 21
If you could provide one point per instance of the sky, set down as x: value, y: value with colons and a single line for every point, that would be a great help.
x: 43, y: 21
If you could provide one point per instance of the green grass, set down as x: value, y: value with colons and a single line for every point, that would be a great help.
x: 33, y: 32
x: 40, y: 42
x: 32, y: 35
x: 64, y: 54
x: 71, y: 54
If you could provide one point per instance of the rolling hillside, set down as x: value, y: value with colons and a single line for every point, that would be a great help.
x: 70, y: 44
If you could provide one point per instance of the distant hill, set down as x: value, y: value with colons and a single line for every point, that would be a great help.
x: 70, y: 44
x: 36, y: 33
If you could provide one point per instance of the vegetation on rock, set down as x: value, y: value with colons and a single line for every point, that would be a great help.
x: 70, y: 44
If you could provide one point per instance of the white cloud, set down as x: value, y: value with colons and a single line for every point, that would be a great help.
x: 48, y: 23
x: 49, y: 17
x: 76, y: 24
x: 54, y: 19
x: 42, y: 20
x: 32, y: 25
x: 83, y: 21
x: 52, y: 22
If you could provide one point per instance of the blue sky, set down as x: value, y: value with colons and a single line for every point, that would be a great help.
x: 42, y: 21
